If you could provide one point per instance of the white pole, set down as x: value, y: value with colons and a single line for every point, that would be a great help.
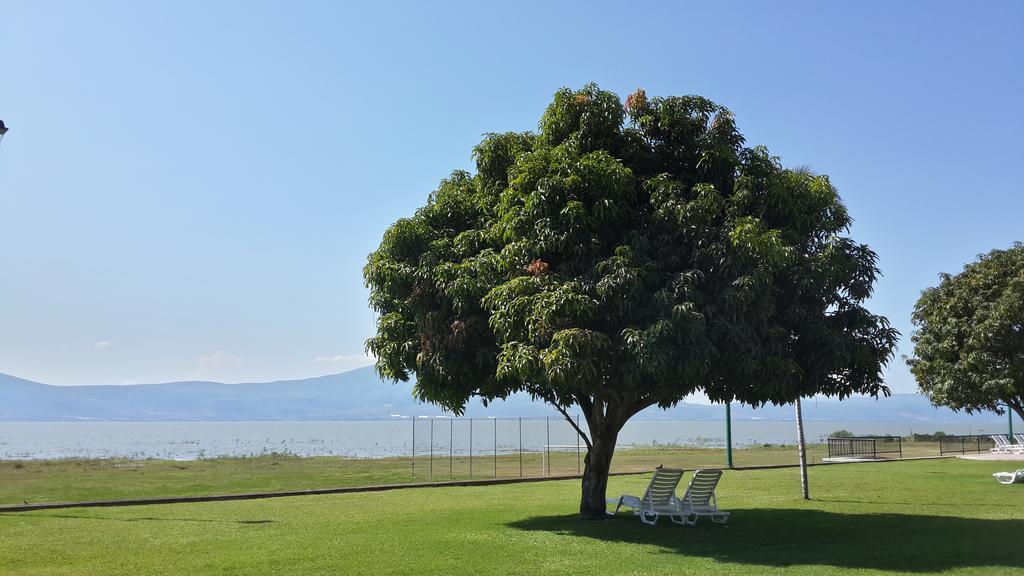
x: 802, y: 448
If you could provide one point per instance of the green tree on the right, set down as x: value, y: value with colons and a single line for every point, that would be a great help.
x: 969, y: 336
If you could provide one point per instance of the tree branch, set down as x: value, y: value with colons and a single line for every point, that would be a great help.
x: 638, y: 406
x: 585, y: 404
x: 1017, y: 406
x: 600, y: 414
x: 575, y: 426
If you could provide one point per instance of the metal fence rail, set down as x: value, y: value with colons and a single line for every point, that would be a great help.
x: 963, y: 444
x: 864, y: 446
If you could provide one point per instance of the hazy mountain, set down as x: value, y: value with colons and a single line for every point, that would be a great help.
x: 360, y: 394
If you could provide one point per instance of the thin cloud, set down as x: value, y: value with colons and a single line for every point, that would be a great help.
x: 102, y: 345
x: 346, y: 361
x: 217, y: 366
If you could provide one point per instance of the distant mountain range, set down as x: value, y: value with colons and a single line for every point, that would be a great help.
x: 361, y: 394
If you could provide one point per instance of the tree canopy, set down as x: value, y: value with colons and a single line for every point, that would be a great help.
x: 626, y: 256
x: 969, y: 338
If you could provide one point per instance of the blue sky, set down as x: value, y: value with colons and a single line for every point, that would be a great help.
x: 190, y: 189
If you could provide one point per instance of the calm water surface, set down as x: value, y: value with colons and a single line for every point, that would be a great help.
x: 377, y: 439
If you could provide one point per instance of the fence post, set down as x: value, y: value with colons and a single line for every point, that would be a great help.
x: 470, y: 447
x: 520, y: 446
x: 451, y: 445
x: 728, y: 434
x: 414, y: 446
x: 978, y: 439
x: 495, y: 447
x: 431, y: 473
x: 900, y: 440
x: 547, y: 447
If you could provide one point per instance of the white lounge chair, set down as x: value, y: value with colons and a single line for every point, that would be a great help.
x: 658, y: 500
x: 1000, y: 443
x: 1005, y: 446
x: 1010, y: 477
x: 700, y: 500
x: 1020, y: 438
x: 1012, y: 448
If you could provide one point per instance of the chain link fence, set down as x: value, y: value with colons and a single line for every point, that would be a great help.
x: 48, y: 461
x: 494, y: 447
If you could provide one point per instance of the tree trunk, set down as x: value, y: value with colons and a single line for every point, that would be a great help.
x: 595, y: 474
x: 802, y: 448
x: 1017, y: 405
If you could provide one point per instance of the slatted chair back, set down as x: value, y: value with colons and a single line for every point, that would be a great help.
x: 662, y: 489
x: 701, y: 491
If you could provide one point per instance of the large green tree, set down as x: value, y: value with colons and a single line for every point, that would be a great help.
x: 625, y: 257
x: 969, y: 338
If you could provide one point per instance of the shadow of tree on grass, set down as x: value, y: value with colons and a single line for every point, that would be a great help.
x: 792, y: 537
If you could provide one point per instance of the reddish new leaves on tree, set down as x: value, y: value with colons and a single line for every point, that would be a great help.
x: 537, y: 267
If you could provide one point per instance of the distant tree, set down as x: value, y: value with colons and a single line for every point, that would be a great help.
x: 621, y: 258
x: 933, y: 437
x: 841, y: 434
x: 969, y: 338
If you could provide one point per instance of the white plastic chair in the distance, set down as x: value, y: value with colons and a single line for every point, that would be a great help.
x: 1002, y: 444
x: 1005, y: 446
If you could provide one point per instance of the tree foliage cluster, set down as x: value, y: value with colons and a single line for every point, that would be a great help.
x: 969, y: 337
x: 633, y: 253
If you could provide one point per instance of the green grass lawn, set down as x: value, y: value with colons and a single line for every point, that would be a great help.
x: 924, y: 517
x: 78, y: 480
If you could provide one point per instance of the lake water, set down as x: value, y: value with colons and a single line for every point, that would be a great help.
x: 376, y: 439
